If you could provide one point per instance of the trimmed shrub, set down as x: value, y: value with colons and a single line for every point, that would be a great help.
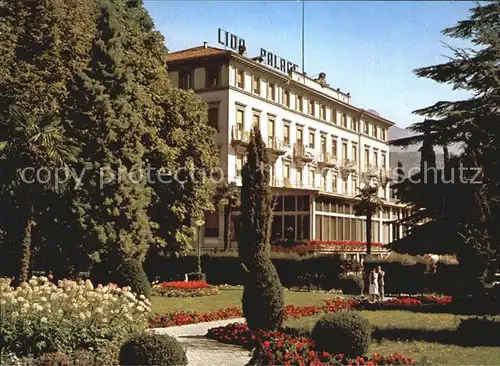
x: 153, y: 349
x: 263, y: 298
x: 351, y: 284
x: 343, y: 332
x: 131, y: 273
x: 479, y: 331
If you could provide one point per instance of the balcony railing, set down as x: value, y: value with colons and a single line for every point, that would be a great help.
x: 326, y: 160
x: 348, y: 166
x: 372, y: 170
x: 239, y: 136
x: 301, y: 153
x: 276, y: 146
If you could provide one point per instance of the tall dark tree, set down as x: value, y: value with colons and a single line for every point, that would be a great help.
x: 368, y: 204
x: 263, y: 296
x: 469, y: 211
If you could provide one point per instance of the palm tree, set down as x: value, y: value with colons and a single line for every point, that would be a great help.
x: 369, y: 203
x: 32, y: 142
x: 228, y: 195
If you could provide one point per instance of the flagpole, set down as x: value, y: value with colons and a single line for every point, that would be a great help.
x: 303, y: 12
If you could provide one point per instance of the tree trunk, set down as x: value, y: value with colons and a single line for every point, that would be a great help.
x: 26, y: 247
x: 227, y: 228
x: 369, y: 231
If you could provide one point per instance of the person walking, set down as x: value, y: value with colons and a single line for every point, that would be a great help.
x: 381, y: 283
x: 373, y: 285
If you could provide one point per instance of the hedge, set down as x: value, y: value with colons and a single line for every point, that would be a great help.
x: 225, y: 268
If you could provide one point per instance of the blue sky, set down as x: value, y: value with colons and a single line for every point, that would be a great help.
x: 367, y: 48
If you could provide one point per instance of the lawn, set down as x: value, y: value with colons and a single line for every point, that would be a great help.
x: 418, y: 336
x: 227, y: 298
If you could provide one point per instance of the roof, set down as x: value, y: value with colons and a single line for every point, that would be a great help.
x: 196, y: 52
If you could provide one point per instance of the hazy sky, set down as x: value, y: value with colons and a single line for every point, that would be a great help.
x: 367, y: 48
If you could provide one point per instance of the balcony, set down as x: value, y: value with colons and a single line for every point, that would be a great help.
x: 326, y: 160
x: 276, y: 147
x: 386, y: 177
x: 372, y: 170
x: 301, y: 154
x: 239, y: 140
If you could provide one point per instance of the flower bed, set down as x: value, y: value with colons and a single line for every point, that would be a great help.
x: 40, y: 317
x: 405, y: 303
x: 184, y: 289
x: 286, y: 348
x: 184, y: 318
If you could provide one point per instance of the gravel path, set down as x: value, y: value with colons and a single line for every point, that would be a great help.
x: 202, y: 351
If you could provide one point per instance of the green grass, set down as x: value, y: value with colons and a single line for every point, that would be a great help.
x: 418, y: 336
x: 227, y: 298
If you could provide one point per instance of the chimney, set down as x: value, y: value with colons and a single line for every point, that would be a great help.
x: 205, y: 45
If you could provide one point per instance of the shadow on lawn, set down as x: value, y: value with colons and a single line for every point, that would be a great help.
x: 434, y: 336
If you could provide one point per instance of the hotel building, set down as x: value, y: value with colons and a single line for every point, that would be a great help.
x: 322, y: 147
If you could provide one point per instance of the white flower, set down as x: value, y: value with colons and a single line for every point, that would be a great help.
x: 43, y: 319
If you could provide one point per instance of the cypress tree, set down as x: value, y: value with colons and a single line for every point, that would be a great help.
x: 263, y: 296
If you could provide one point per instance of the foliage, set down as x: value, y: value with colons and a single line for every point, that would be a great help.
x: 227, y: 195
x: 478, y: 331
x: 263, y: 298
x: 351, y: 284
x: 153, y: 349
x: 40, y: 317
x: 184, y: 289
x: 342, y: 332
x: 368, y: 204
x: 99, y: 68
x: 466, y: 226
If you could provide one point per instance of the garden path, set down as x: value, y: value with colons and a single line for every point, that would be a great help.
x: 202, y: 351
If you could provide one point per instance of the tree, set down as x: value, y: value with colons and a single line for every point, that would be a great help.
x: 462, y: 209
x: 227, y: 195
x: 33, y: 142
x: 263, y: 296
x: 368, y: 204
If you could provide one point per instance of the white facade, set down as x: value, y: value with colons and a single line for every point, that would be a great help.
x: 321, y: 145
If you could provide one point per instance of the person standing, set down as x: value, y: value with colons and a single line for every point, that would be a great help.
x: 373, y: 287
x: 381, y: 282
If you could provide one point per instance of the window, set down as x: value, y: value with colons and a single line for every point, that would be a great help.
x: 322, y: 112
x: 354, y: 124
x: 212, y: 224
x: 186, y: 80
x: 354, y: 152
x: 286, y: 174
x: 286, y: 134
x: 323, y: 144
x: 384, y: 160
x: 256, y: 119
x: 323, y: 182
x: 271, y: 92
x: 334, y: 183
x: 213, y: 117
x: 311, y: 178
x: 213, y: 73
x: 344, y: 120
x: 344, y: 150
x: 334, y: 145
x: 311, y: 107
x: 299, y: 176
x: 367, y: 128
x: 286, y: 98
x: 345, y: 186
x: 375, y: 131
x: 311, y: 139
x: 256, y: 85
x: 375, y: 157
x: 354, y: 186
x: 240, y: 120
x: 384, y: 134
x: 334, y: 116
x: 240, y: 79
x: 299, y: 137
x: 270, y: 131
x: 300, y: 103
x: 367, y: 155
x: 239, y: 165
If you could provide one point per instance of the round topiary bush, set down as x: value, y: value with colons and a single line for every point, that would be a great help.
x: 351, y: 284
x: 343, y: 332
x: 153, y: 349
x: 478, y: 331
